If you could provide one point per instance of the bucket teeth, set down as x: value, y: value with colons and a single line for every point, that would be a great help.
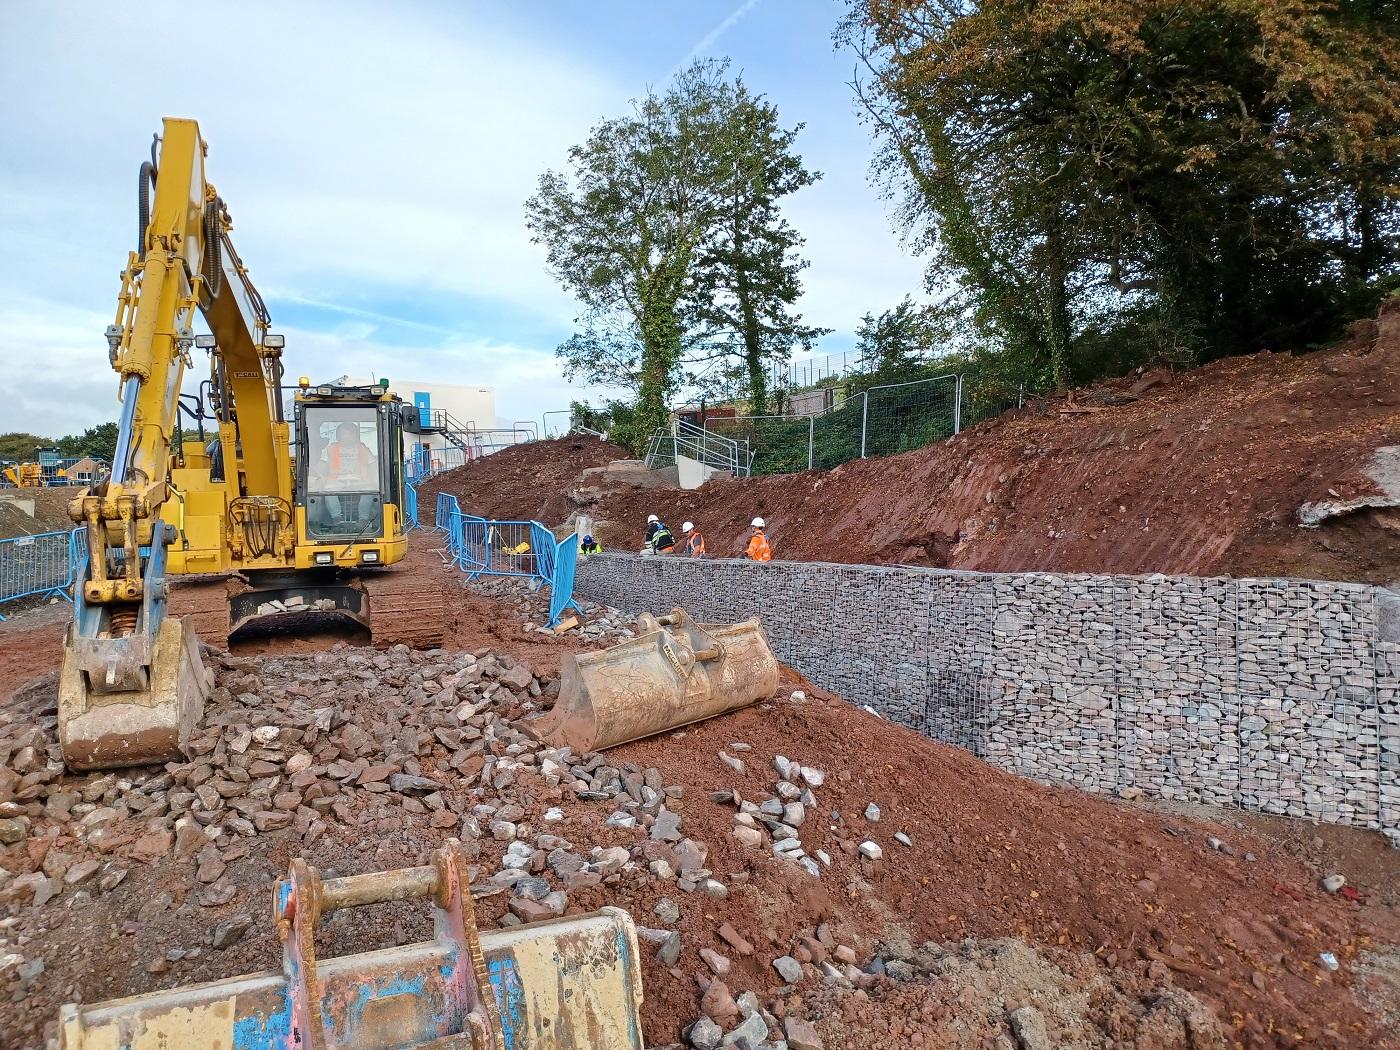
x: 673, y: 673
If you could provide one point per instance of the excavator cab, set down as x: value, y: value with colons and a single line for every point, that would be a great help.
x: 349, y: 471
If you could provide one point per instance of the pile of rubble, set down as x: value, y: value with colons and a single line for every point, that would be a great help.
x: 763, y: 887
x: 591, y: 622
x: 351, y: 752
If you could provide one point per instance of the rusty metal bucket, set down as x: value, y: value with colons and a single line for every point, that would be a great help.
x: 130, y: 727
x: 673, y: 673
x: 562, y: 984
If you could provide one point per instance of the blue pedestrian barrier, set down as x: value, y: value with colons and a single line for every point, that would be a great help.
x: 41, y: 566
x: 527, y: 549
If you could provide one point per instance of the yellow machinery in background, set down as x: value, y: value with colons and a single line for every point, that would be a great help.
x: 24, y: 475
x: 561, y: 984
x: 295, y: 510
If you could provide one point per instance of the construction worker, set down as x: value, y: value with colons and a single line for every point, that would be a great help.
x: 347, y: 465
x: 694, y: 540
x: 350, y: 462
x: 758, y: 548
x: 590, y: 546
x: 659, y: 538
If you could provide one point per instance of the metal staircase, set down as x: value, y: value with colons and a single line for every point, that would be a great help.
x: 713, y: 450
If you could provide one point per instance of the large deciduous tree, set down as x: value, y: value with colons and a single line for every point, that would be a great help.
x: 1103, y: 180
x: 666, y: 228
x: 749, y: 273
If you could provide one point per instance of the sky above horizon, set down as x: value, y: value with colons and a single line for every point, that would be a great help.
x: 376, y: 160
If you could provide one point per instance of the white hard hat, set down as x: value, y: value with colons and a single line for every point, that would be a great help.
x: 651, y: 518
x: 758, y: 523
x: 688, y: 526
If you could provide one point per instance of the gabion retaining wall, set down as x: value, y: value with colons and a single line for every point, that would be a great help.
x: 1276, y: 695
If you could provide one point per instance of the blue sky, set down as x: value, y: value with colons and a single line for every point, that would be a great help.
x: 375, y: 159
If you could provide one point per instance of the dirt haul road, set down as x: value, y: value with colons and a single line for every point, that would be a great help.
x: 1199, y: 472
x: 1013, y: 907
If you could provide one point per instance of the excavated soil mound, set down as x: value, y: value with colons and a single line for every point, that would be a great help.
x: 1201, y: 473
x: 1112, y: 924
x: 50, y: 511
x: 524, y: 482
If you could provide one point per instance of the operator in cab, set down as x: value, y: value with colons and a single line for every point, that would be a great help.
x: 348, y: 465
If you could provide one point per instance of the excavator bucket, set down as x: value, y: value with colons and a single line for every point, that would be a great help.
x: 561, y: 984
x: 673, y: 673
x: 149, y: 722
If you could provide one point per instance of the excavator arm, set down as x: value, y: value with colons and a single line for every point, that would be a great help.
x: 133, y: 686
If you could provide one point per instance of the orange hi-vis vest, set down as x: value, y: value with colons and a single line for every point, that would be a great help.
x: 695, y: 545
x: 333, y: 455
x: 758, y: 548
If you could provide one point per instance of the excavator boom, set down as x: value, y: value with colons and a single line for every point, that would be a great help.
x: 234, y: 501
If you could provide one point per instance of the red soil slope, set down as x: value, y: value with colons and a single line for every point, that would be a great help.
x: 1199, y: 472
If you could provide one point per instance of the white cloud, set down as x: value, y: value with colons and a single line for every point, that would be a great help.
x: 375, y: 159
x: 40, y: 390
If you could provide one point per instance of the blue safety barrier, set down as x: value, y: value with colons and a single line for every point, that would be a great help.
x: 527, y: 549
x: 561, y: 591
x: 410, y: 505
x: 40, y: 566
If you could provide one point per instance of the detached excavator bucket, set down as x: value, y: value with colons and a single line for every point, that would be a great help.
x: 562, y: 984
x: 673, y: 673
x: 151, y: 722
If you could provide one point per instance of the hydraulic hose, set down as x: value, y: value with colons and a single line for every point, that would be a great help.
x: 213, y: 264
x: 143, y: 206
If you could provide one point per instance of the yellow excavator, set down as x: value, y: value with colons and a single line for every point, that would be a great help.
x: 298, y: 512
x: 295, y: 517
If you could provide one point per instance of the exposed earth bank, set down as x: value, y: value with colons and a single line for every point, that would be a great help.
x: 1200, y: 473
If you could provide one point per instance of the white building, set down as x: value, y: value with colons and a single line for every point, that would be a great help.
x: 446, y: 407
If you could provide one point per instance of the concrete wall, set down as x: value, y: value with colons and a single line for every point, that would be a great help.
x: 1278, y: 695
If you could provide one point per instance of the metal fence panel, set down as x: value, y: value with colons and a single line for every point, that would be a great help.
x: 42, y: 565
x: 561, y: 588
x: 481, y: 547
x: 904, y: 416
x: 779, y: 444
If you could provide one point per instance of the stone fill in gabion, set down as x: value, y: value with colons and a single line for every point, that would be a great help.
x: 1276, y: 695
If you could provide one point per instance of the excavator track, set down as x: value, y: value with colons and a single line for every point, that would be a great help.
x: 404, y: 608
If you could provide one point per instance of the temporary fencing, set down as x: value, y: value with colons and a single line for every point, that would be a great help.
x: 877, y: 421
x: 484, y: 547
x: 40, y: 566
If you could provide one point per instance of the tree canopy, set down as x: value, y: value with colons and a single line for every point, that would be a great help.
x: 99, y: 442
x: 666, y: 228
x: 1101, y: 182
x: 899, y: 339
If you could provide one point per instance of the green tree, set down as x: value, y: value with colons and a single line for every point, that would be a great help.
x: 1098, y: 182
x: 19, y: 446
x: 666, y: 227
x: 623, y: 229
x: 749, y: 271
x: 99, y: 442
x: 898, y: 340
